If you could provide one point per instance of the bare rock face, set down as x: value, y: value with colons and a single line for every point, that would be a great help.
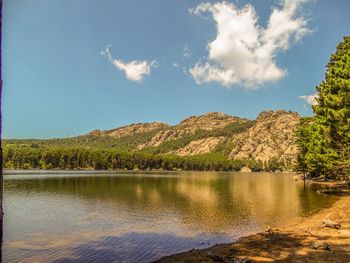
x: 271, y: 137
x: 130, y: 129
x: 201, y: 146
x: 208, y: 122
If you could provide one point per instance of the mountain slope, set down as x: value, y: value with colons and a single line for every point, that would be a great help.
x: 272, y: 137
x: 268, y: 139
x: 207, y: 122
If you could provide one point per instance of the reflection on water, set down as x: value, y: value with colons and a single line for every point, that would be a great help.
x: 89, y: 217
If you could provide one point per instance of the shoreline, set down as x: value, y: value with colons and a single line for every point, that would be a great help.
x: 37, y: 170
x: 306, y: 241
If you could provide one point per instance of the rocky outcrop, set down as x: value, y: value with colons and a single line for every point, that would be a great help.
x: 271, y: 137
x: 208, y: 122
x: 201, y: 146
x: 130, y: 129
x: 164, y: 136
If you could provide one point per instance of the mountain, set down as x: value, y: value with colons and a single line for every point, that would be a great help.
x: 212, y: 137
x: 269, y: 137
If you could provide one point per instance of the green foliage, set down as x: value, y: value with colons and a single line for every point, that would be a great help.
x: 274, y: 164
x: 225, y: 147
x: 26, y: 157
x: 26, y: 166
x: 324, y: 140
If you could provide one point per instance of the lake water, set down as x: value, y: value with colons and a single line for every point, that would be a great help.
x: 140, y: 217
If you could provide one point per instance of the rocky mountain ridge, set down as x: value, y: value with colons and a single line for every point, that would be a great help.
x: 272, y: 137
x: 208, y: 122
x: 269, y: 137
x: 130, y: 129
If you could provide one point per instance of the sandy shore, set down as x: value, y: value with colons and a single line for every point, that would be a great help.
x: 302, y: 242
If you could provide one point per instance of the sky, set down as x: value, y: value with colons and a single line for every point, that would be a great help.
x: 71, y: 66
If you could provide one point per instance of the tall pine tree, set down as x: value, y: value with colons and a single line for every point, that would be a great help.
x: 326, y: 148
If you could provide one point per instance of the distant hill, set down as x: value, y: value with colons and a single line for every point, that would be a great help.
x: 269, y: 138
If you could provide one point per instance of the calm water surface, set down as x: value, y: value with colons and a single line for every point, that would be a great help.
x: 140, y: 217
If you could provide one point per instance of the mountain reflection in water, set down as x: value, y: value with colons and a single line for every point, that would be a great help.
x: 139, y: 217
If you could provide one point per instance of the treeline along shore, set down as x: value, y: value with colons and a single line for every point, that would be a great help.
x: 78, y: 158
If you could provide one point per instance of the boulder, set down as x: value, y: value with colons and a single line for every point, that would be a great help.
x: 246, y: 169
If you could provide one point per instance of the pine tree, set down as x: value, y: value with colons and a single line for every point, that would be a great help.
x: 333, y: 108
x: 326, y: 148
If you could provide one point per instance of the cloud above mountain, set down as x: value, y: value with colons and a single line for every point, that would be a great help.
x: 134, y: 70
x: 244, y: 52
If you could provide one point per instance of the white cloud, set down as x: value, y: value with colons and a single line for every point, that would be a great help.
x: 310, y: 99
x: 134, y: 70
x: 175, y: 65
x: 243, y: 52
x: 206, y: 73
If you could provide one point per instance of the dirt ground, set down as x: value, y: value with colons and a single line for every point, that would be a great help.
x: 287, y: 244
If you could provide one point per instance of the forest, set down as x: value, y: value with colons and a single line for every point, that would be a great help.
x: 25, y: 157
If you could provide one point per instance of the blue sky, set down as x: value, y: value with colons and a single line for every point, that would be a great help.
x: 71, y: 66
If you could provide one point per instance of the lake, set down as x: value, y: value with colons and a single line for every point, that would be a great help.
x: 142, y: 216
